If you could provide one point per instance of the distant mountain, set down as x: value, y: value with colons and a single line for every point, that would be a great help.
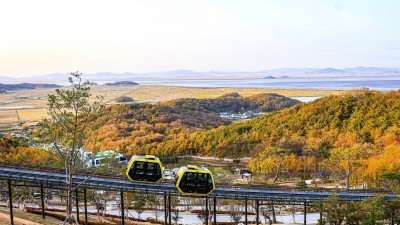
x: 181, y: 72
x: 330, y: 71
x: 368, y: 70
x: 49, y: 78
x: 298, y: 72
x: 12, y: 87
x: 290, y: 71
x: 102, y: 77
x: 6, y: 79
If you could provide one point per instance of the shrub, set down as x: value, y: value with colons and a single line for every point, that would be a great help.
x: 301, y: 183
x: 124, y: 99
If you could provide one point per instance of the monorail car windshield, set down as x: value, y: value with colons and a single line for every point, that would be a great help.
x: 145, y: 169
x: 195, y: 181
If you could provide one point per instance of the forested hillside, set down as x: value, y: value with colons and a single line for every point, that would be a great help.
x: 355, y: 136
x: 162, y: 128
x: 233, y: 102
x: 13, y: 150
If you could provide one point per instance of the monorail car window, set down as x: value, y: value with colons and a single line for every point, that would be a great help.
x: 190, y: 179
x: 150, y: 169
x: 139, y: 168
x: 145, y: 171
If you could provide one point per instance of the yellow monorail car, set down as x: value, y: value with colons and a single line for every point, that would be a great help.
x: 147, y: 169
x: 194, y: 181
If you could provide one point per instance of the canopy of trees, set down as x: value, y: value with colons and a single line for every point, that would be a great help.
x: 122, y: 83
x: 355, y: 136
x: 163, y: 128
x: 13, y: 150
x: 233, y: 102
x: 376, y: 210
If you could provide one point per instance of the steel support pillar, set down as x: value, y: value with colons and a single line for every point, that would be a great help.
x: 245, y: 211
x: 122, y: 208
x: 273, y: 213
x: 165, y: 209
x: 85, y: 201
x: 257, y: 211
x: 320, y: 216
x: 305, y: 213
x: 206, y: 222
x: 77, y: 205
x: 169, y: 209
x: 215, y: 211
x: 10, y: 200
x: 42, y: 200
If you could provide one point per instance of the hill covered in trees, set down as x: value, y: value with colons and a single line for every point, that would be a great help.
x: 122, y: 83
x: 355, y: 136
x: 233, y: 102
x: 13, y: 150
x: 150, y: 128
x: 22, y: 86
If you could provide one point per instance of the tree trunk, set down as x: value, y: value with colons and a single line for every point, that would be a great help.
x: 273, y: 213
x: 348, y: 174
x: 156, y: 213
x: 105, y: 208
x: 278, y: 171
x: 70, y: 218
x: 98, y: 213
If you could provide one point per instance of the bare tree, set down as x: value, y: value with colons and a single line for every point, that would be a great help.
x: 139, y: 204
x: 265, y: 212
x: 234, y: 213
x: 70, y: 110
x: 201, y: 214
x: 204, y: 213
x: 154, y: 201
x: 175, y: 215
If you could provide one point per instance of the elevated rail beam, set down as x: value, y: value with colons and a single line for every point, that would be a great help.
x: 56, y: 180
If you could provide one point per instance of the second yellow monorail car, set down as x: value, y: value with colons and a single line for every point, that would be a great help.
x: 193, y: 180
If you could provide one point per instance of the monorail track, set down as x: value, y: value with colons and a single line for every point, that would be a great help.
x: 55, y: 178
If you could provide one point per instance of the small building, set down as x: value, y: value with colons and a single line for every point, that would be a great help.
x: 241, y: 171
x: 98, y: 158
x: 247, y: 176
x: 93, y: 159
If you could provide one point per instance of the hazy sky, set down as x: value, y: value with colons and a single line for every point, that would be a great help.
x: 46, y: 36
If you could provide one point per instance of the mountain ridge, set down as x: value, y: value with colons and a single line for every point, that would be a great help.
x: 190, y: 74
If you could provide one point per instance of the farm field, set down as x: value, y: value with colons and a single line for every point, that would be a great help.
x: 30, y: 105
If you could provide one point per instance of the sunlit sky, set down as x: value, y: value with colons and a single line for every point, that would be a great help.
x: 46, y: 36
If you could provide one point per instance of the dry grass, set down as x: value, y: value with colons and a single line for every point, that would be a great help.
x: 32, y: 106
x: 21, y: 218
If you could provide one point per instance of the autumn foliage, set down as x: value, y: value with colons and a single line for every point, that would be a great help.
x: 13, y: 150
x: 354, y: 136
x: 163, y: 128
